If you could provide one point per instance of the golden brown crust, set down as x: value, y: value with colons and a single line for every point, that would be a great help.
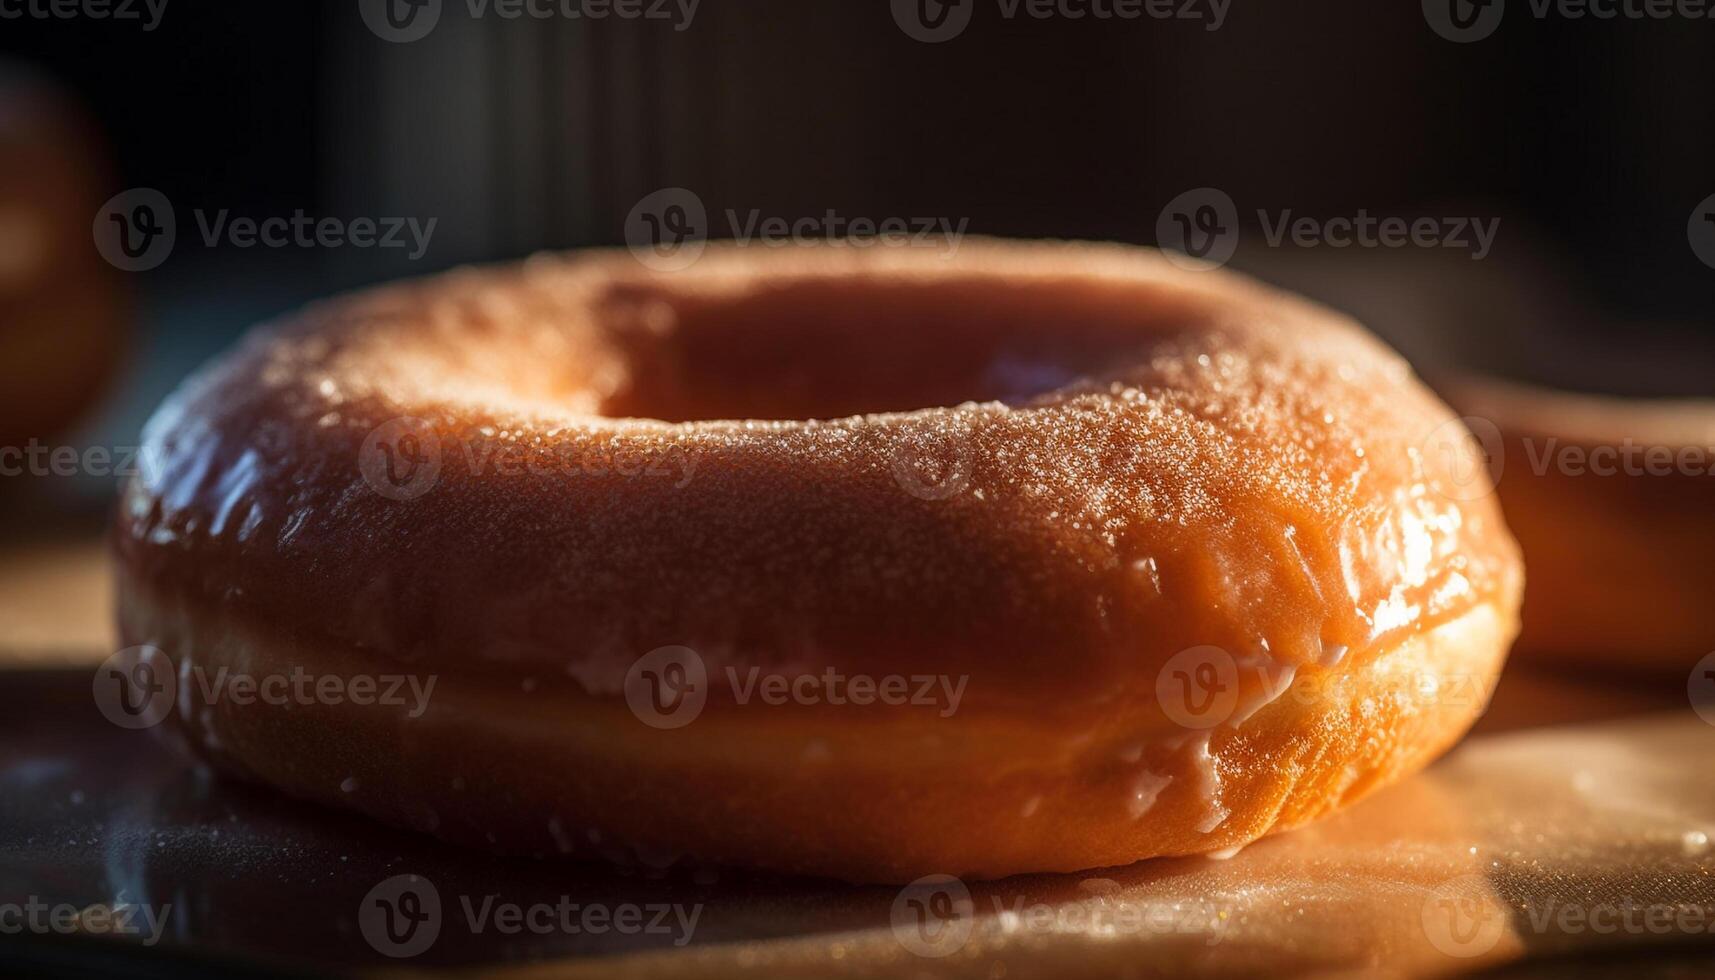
x: 806, y: 790
x: 1136, y: 461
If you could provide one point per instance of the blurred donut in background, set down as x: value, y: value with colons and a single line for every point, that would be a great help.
x: 61, y: 305
x: 1610, y: 498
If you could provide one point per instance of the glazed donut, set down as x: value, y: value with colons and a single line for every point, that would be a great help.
x: 1610, y: 498
x: 1039, y: 557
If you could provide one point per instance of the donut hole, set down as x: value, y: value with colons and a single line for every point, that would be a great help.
x: 823, y: 348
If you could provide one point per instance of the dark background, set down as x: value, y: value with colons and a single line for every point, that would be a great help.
x: 1590, y: 139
